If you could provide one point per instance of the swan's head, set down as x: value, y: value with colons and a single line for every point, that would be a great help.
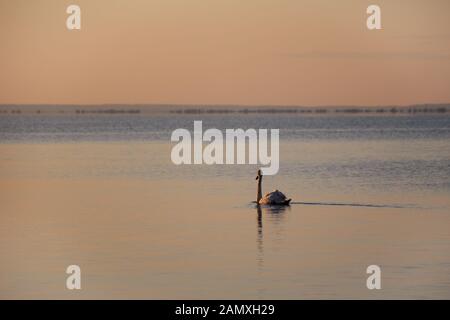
x: 259, y: 174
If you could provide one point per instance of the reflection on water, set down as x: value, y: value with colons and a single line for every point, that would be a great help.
x: 276, y: 213
x: 259, y: 239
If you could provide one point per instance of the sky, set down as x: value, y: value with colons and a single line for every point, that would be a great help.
x: 245, y: 52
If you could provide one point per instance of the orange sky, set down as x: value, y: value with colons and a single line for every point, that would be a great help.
x: 288, y: 52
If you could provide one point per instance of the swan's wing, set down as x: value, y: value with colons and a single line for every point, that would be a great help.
x: 275, y: 197
x: 280, y: 195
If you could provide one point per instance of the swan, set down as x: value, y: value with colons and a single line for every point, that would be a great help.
x: 275, y: 197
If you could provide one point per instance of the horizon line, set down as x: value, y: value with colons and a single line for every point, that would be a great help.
x: 229, y: 105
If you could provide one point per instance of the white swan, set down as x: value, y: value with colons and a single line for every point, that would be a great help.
x: 275, y: 197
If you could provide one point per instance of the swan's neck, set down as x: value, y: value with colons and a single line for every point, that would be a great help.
x: 259, y: 196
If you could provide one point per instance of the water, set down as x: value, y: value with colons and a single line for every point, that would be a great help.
x: 72, y: 128
x: 101, y: 191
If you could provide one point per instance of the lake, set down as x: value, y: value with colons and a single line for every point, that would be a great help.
x: 100, y: 191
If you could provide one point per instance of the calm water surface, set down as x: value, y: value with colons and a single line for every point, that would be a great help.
x: 101, y: 192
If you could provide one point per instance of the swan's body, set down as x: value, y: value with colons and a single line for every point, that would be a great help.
x: 272, y: 198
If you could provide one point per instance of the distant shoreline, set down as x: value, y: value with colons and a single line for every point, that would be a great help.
x: 13, y: 109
